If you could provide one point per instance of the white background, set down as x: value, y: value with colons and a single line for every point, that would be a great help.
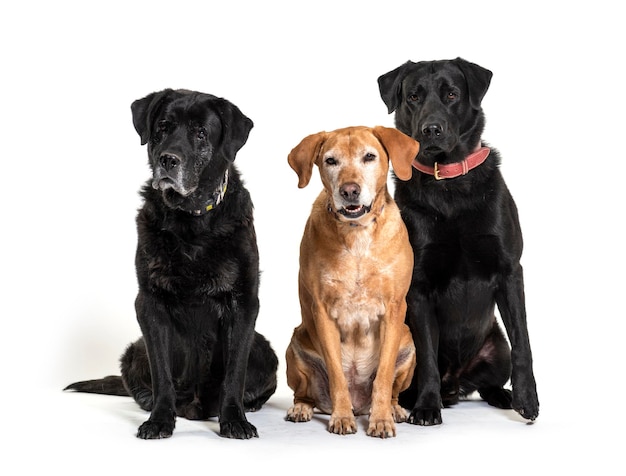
x: 72, y: 165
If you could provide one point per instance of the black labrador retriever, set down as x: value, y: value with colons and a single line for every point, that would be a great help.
x: 466, y: 237
x: 198, y: 273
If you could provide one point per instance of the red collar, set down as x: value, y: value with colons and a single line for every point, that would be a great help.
x: 446, y: 171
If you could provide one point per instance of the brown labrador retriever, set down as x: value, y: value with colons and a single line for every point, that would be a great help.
x: 353, y: 354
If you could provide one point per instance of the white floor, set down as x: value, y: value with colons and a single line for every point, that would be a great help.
x: 76, y: 434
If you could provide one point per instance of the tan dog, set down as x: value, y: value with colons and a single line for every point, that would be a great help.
x: 353, y: 353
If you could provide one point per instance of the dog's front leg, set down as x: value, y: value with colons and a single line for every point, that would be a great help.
x: 237, y: 334
x: 151, y: 314
x: 342, y: 419
x: 511, y: 304
x: 383, y: 415
x: 425, y: 330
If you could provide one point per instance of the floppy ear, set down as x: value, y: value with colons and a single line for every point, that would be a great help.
x: 145, y: 109
x: 390, y: 86
x: 478, y: 80
x: 303, y: 156
x: 400, y: 148
x: 236, y: 127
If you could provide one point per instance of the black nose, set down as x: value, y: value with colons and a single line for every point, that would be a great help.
x: 432, y: 130
x: 350, y: 191
x: 169, y: 161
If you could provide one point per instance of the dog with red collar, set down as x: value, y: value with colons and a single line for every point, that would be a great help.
x: 467, y: 241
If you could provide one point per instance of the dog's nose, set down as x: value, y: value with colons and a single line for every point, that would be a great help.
x: 432, y: 130
x: 350, y: 191
x: 169, y: 161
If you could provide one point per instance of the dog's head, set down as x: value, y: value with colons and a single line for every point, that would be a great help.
x: 192, y: 138
x: 437, y: 103
x: 353, y: 163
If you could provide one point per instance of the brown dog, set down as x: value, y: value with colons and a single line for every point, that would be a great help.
x: 353, y: 353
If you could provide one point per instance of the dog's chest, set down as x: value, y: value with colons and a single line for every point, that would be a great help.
x: 355, y: 298
x: 466, y: 256
x: 188, y: 267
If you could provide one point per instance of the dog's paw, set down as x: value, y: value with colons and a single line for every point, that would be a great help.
x: 240, y: 430
x: 300, y: 412
x: 530, y: 413
x: 342, y: 425
x: 153, y: 429
x: 528, y: 406
x: 398, y: 413
x: 381, y: 428
x: 497, y: 397
x: 425, y: 416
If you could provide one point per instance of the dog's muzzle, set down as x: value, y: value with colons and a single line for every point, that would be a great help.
x: 169, y: 174
x: 348, y: 202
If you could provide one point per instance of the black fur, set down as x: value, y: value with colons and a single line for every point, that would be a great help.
x: 198, y: 272
x: 467, y: 242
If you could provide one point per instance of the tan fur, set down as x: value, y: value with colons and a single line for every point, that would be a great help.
x: 353, y: 354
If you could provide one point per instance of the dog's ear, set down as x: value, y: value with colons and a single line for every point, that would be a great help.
x: 478, y: 80
x: 236, y: 127
x: 145, y: 109
x: 400, y: 148
x: 390, y: 86
x: 303, y: 156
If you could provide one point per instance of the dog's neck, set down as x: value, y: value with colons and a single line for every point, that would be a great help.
x: 214, y: 199
x: 455, y: 169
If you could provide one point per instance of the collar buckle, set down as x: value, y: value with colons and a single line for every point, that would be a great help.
x: 436, y: 172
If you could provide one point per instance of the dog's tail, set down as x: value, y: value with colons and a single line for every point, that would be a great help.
x: 111, y: 385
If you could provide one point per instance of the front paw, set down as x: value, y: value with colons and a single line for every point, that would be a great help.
x: 398, y: 413
x: 381, y: 428
x: 241, y: 430
x: 425, y: 416
x: 300, y: 412
x: 155, y: 429
x: 342, y: 424
x: 526, y: 404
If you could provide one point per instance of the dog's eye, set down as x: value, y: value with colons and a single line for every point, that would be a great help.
x: 413, y: 97
x: 201, y: 134
x: 330, y: 161
x: 369, y: 157
x: 451, y: 96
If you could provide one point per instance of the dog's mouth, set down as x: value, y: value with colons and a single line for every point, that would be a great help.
x: 165, y: 183
x: 354, y: 211
x: 431, y: 151
x: 162, y: 183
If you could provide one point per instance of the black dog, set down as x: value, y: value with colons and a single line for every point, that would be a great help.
x: 464, y: 229
x: 198, y: 272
